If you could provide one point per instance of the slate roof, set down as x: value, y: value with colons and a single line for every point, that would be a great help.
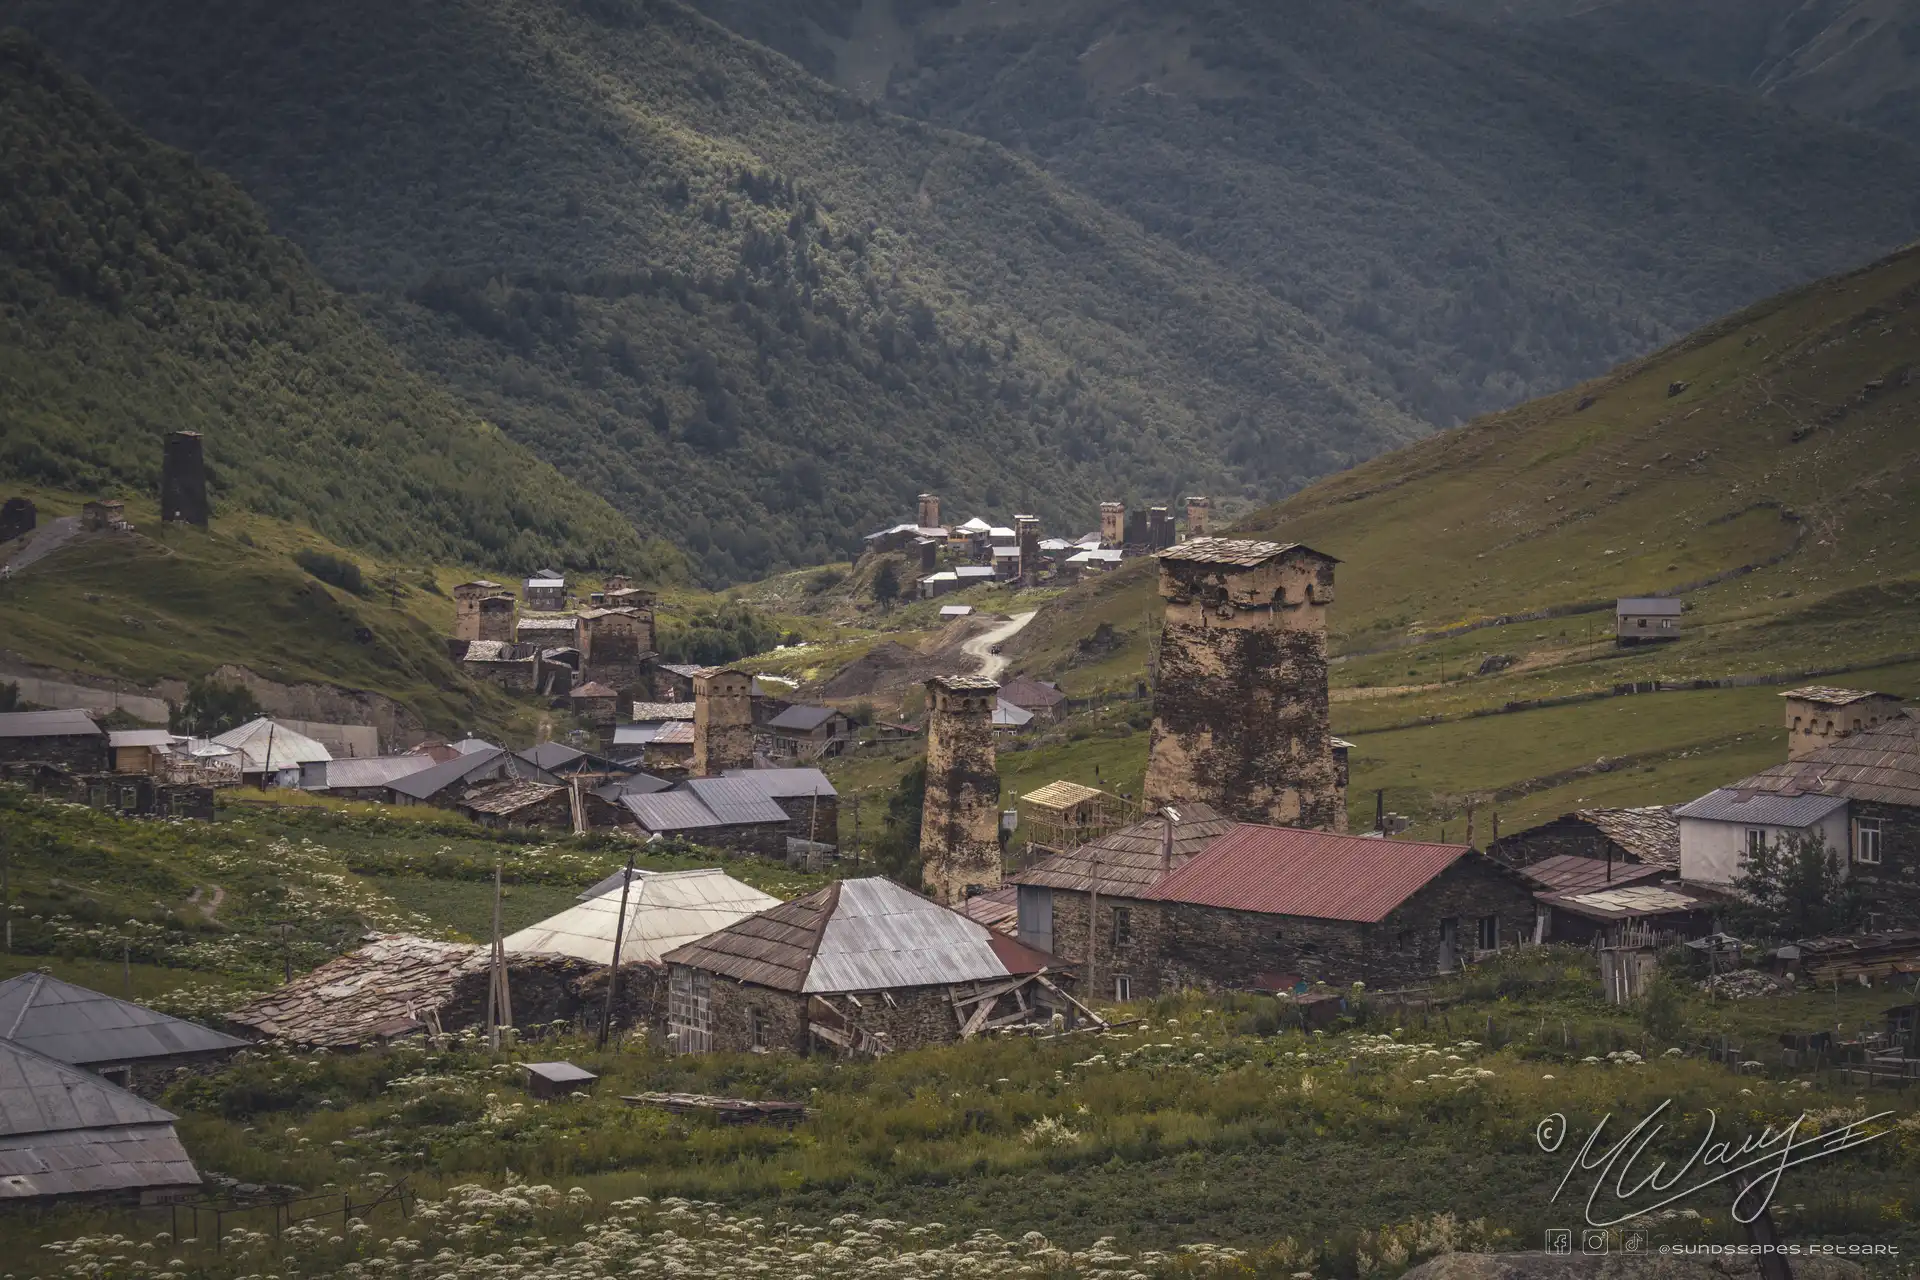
x: 1650, y: 834
x: 65, y: 1131
x: 1761, y: 809
x: 786, y: 784
x: 801, y: 718
x: 510, y: 796
x: 592, y: 689
x: 1126, y: 863
x: 1570, y: 871
x: 365, y: 995
x: 661, y: 712
x: 256, y: 738
x: 736, y: 801
x: 1829, y: 696
x: 76, y: 1025
x: 1286, y: 871
x: 665, y: 909
x: 858, y: 935
x: 1240, y: 552
x: 47, y: 724
x: 1624, y: 902
x: 966, y: 684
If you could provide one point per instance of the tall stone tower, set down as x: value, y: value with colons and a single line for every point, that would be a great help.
x: 484, y: 610
x: 183, y: 479
x: 1199, y: 517
x: 722, y: 721
x: 1113, y: 523
x: 1240, y: 713
x: 1026, y: 531
x: 930, y: 511
x: 960, y: 818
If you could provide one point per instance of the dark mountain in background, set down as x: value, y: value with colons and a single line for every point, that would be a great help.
x: 753, y: 312
x: 141, y: 294
x: 1856, y: 61
x: 1485, y: 214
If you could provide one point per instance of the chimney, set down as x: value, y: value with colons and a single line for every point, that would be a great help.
x: 960, y: 817
x: 183, y: 479
x: 930, y: 511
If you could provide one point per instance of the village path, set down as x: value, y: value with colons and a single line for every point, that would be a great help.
x: 46, y: 540
x: 982, y: 645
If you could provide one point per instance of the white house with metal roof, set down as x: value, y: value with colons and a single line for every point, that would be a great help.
x: 1644, y: 619
x: 1720, y: 830
x: 267, y: 747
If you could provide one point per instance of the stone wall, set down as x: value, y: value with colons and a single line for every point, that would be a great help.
x: 804, y: 823
x: 1893, y: 887
x: 1170, y: 946
x: 1241, y: 709
x: 960, y: 816
x: 905, y: 1017
x: 782, y: 1017
x: 84, y: 753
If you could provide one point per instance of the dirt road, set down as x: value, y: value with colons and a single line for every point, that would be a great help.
x: 992, y: 664
x: 43, y: 542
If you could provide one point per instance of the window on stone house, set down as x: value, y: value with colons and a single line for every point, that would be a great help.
x: 1866, y: 842
x: 1122, y: 987
x: 1487, y: 933
x: 757, y: 1029
x: 1406, y: 942
x: 1122, y: 926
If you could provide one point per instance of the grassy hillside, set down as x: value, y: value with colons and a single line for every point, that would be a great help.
x: 1767, y: 469
x: 1483, y: 215
x: 755, y: 313
x: 141, y: 294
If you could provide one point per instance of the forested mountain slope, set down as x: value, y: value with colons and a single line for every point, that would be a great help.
x: 1851, y: 60
x: 141, y: 294
x: 753, y: 312
x: 1485, y: 214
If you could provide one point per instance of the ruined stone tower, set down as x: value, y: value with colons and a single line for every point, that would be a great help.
x: 722, y: 721
x: 183, y: 479
x: 1199, y: 517
x: 960, y: 817
x: 1240, y: 711
x: 930, y: 511
x: 484, y: 610
x: 1113, y: 524
x: 1027, y: 535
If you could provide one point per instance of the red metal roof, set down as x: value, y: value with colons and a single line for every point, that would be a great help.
x: 1289, y: 872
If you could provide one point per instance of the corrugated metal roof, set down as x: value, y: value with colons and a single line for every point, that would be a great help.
x: 1241, y: 552
x: 955, y: 610
x: 469, y: 746
x: 138, y: 738
x: 1761, y: 809
x: 674, y: 732
x: 39, y: 1094
x: 47, y: 724
x: 661, y: 712
x: 1290, y: 872
x: 560, y: 1072
x: 1006, y: 553
x: 665, y: 811
x: 256, y: 738
x: 858, y: 935
x: 548, y: 583
x: 84, y: 1027
x: 639, y: 784
x: 664, y: 910
x: 90, y: 1162
x: 736, y: 801
x: 371, y: 771
x: 430, y: 782
x: 973, y: 571
x: 1829, y: 696
x: 802, y: 718
x: 1568, y: 871
x: 1126, y: 863
x: 1652, y: 606
x: 1008, y: 716
x: 551, y: 755
x: 998, y: 909
x: 786, y: 784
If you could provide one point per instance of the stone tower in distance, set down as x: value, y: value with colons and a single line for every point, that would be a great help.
x: 183, y: 479
x: 1199, y: 517
x: 960, y: 817
x: 1240, y: 714
x: 722, y: 721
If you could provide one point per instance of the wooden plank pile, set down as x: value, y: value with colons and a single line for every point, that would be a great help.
x: 730, y: 1110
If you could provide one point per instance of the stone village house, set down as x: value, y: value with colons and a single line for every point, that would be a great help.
x: 1208, y: 903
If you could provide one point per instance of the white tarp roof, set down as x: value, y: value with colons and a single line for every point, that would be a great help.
x: 254, y: 739
x: 664, y: 910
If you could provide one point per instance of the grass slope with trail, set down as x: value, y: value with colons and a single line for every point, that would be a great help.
x: 141, y: 294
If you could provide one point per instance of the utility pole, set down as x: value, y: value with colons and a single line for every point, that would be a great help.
x: 266, y: 766
x: 494, y: 974
x: 6, y: 884
x: 619, y: 935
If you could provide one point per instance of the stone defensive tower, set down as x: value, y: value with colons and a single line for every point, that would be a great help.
x: 484, y: 610
x: 1199, y: 517
x: 960, y: 817
x: 1113, y: 524
x: 722, y: 721
x: 1027, y: 535
x: 183, y: 479
x: 1240, y: 717
x: 930, y: 511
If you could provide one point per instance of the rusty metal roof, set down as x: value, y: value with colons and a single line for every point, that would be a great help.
x: 1829, y: 696
x: 858, y: 935
x: 998, y: 909
x: 1126, y: 863
x: 1285, y: 871
x: 1240, y: 552
x: 1571, y: 871
x: 85, y: 1027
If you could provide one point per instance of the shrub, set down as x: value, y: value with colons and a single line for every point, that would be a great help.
x: 337, y: 571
